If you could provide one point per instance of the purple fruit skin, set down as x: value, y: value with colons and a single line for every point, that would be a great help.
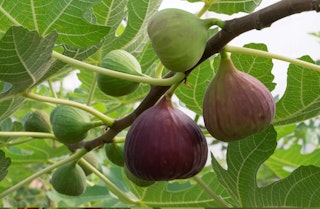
x: 236, y: 104
x: 164, y: 144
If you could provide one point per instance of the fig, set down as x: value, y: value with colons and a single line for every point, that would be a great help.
x: 114, y: 152
x: 37, y: 121
x: 236, y: 104
x: 137, y: 181
x: 120, y: 61
x: 92, y: 159
x: 70, y: 125
x: 69, y: 179
x: 164, y: 143
x: 178, y: 38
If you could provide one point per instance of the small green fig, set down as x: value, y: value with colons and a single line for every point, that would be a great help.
x: 70, y: 125
x: 114, y: 152
x: 91, y: 158
x: 120, y: 61
x: 236, y: 104
x: 69, y: 179
x: 136, y: 180
x: 178, y: 38
x: 37, y: 121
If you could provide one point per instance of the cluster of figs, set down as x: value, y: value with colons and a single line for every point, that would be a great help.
x: 163, y: 143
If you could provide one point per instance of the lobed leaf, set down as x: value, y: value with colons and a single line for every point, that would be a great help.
x: 67, y: 17
x: 301, y: 99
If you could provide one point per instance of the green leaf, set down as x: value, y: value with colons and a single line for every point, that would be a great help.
x: 67, y: 17
x: 9, y: 106
x: 234, y: 6
x: 284, y: 161
x: 185, y: 193
x: 256, y: 66
x: 134, y: 37
x: 192, y: 92
x: 4, y: 164
x: 25, y: 58
x: 301, y: 99
x: 244, y: 158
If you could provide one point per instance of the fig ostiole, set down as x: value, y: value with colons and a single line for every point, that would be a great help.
x: 114, y: 152
x: 236, y: 104
x: 164, y: 143
x: 71, y: 125
x: 178, y: 38
x: 69, y: 179
x: 37, y: 121
x: 120, y: 61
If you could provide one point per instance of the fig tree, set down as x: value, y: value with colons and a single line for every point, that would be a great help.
x: 37, y: 121
x: 178, y: 38
x: 69, y: 179
x: 120, y: 61
x: 164, y: 143
x: 236, y: 104
x: 70, y: 125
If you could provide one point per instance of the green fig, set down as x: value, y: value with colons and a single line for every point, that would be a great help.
x: 91, y: 158
x: 70, y: 125
x: 69, y: 179
x: 236, y: 104
x: 114, y: 152
x: 120, y: 61
x: 136, y: 180
x: 37, y: 121
x: 178, y: 38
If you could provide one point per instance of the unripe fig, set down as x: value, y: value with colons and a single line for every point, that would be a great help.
x: 69, y: 179
x: 163, y: 143
x: 92, y: 159
x: 120, y: 61
x: 37, y: 121
x: 70, y: 125
x: 236, y: 104
x: 114, y: 152
x: 137, y: 181
x: 178, y: 38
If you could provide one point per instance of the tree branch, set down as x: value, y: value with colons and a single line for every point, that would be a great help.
x: 233, y: 28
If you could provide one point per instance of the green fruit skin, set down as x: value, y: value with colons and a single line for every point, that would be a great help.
x: 69, y: 179
x: 70, y: 125
x: 37, y: 121
x: 92, y: 159
x: 137, y: 181
x: 236, y: 104
x: 178, y: 38
x: 114, y: 152
x: 120, y: 61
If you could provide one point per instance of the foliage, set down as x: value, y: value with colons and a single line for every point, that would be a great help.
x: 42, y: 42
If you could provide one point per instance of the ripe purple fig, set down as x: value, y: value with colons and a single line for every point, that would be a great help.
x: 164, y: 143
x: 236, y: 104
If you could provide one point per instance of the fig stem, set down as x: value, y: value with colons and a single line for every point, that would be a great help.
x: 107, y: 120
x: 92, y: 90
x: 73, y: 157
x: 206, y: 6
x: 141, y: 79
x: 26, y: 133
x: 113, y: 188
x: 214, y: 196
x: 260, y: 53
